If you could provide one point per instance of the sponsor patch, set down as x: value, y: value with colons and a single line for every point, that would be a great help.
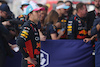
x: 69, y: 26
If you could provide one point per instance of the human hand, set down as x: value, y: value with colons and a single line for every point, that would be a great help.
x: 14, y: 47
x: 61, y: 32
x: 86, y: 40
x: 5, y: 23
x: 42, y: 38
x: 34, y: 61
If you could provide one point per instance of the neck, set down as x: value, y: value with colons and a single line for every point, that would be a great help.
x: 33, y: 21
x: 79, y: 15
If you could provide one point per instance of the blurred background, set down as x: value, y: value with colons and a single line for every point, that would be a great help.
x: 15, y: 4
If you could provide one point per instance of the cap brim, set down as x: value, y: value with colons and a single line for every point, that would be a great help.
x: 66, y: 7
x: 40, y: 8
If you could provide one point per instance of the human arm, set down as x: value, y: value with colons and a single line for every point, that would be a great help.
x: 32, y: 61
x: 55, y: 37
x: 89, y: 39
x: 42, y: 37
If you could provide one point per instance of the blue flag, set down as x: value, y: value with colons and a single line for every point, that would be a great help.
x: 66, y: 53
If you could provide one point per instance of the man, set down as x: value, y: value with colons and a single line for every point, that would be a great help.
x: 5, y: 35
x: 29, y: 40
x: 93, y: 14
x: 77, y: 25
x: 61, y: 10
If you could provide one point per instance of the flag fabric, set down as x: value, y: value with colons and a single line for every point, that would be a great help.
x: 97, y: 54
x: 66, y: 53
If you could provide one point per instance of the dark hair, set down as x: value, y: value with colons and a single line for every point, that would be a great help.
x: 70, y: 11
x: 51, y: 17
x: 40, y: 5
x: 80, y: 6
x: 46, y: 8
x: 69, y: 2
x: 60, y: 2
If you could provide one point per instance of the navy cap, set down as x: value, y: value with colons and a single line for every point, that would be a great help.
x: 5, y: 7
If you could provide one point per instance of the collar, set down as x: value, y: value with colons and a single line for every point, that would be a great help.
x: 32, y: 22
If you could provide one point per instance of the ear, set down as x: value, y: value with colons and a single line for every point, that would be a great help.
x: 29, y: 14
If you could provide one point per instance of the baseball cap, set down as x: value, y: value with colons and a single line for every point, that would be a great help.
x: 5, y: 7
x: 33, y: 7
x: 62, y: 6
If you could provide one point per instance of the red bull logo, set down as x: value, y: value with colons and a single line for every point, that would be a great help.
x: 84, y: 32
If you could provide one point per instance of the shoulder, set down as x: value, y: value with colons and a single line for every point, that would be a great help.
x: 73, y: 17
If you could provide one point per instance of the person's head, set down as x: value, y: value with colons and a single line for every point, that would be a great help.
x: 97, y: 4
x: 3, y: 2
x: 69, y: 3
x: 24, y: 4
x: 51, y: 18
x: 81, y: 9
x: 4, y: 10
x: 33, y: 11
x: 34, y: 16
x: 60, y: 3
x: 61, y: 8
x: 43, y: 13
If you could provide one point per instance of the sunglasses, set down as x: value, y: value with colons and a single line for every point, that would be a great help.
x: 37, y: 11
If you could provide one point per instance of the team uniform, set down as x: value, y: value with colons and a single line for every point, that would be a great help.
x: 21, y: 18
x: 29, y: 43
x: 77, y: 28
x: 63, y: 20
x: 50, y: 30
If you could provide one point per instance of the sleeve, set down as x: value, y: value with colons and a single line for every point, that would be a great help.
x: 4, y: 30
x: 39, y: 25
x: 23, y: 37
x: 94, y: 29
x: 71, y: 27
x: 52, y: 29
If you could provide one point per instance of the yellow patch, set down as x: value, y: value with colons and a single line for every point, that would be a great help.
x: 24, y: 32
x: 24, y: 35
x: 20, y: 16
x: 64, y: 20
x: 19, y: 25
x: 69, y: 29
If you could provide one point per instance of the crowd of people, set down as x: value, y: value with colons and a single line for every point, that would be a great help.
x: 36, y: 24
